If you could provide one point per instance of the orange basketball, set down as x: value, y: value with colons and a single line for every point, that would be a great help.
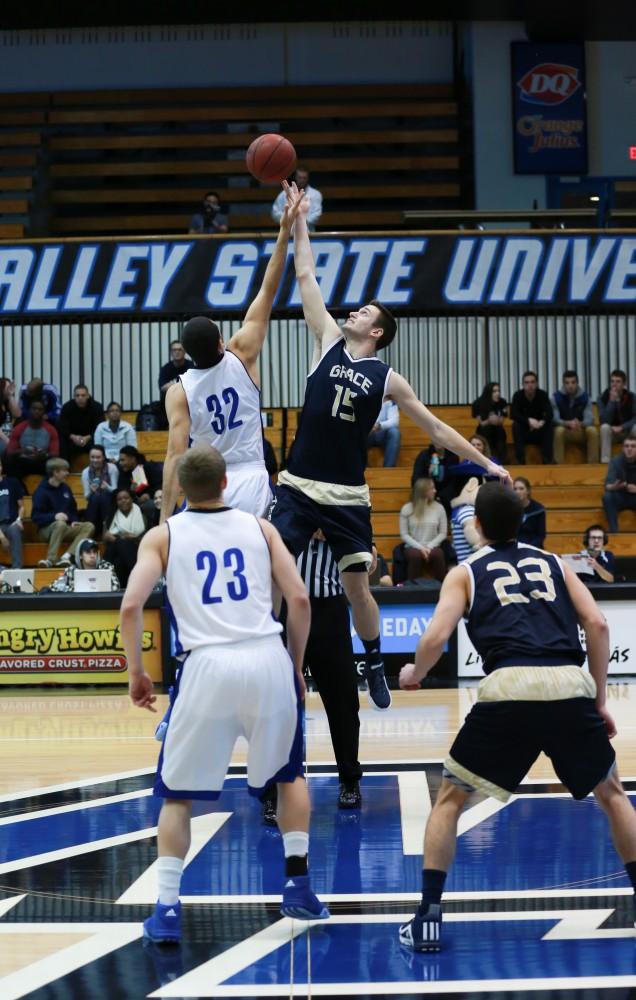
x: 271, y: 158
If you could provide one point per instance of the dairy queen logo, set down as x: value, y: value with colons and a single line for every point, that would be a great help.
x: 549, y: 83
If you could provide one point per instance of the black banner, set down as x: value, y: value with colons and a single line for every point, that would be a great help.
x: 417, y: 274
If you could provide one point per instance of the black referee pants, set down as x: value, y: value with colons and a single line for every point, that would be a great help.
x: 329, y: 657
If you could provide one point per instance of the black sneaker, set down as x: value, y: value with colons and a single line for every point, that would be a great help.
x: 423, y: 933
x: 379, y: 694
x: 268, y: 814
x: 349, y: 796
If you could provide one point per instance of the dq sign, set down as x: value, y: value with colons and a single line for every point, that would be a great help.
x: 549, y: 83
x: 549, y: 108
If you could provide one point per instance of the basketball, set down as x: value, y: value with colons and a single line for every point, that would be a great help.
x: 271, y: 158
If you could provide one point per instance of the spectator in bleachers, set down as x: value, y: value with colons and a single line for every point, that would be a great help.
x: 9, y: 411
x: 532, y: 530
x: 620, y: 484
x: 46, y: 393
x: 99, y: 484
x: 573, y: 419
x: 599, y: 559
x: 140, y: 477
x: 379, y: 575
x: 301, y: 177
x: 152, y: 518
x: 86, y: 556
x: 466, y: 538
x: 79, y: 419
x: 172, y: 369
x: 531, y: 413
x: 616, y: 413
x: 55, y: 513
x: 11, y: 513
x: 123, y: 534
x: 423, y: 528
x: 210, y: 219
x: 114, y: 433
x: 461, y: 471
x: 32, y: 443
x: 385, y: 433
x: 490, y: 410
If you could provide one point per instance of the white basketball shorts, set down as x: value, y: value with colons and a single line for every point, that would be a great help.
x: 248, y: 488
x: 223, y: 692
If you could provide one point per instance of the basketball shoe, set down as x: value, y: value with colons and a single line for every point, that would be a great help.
x: 423, y: 932
x: 164, y: 926
x: 300, y: 902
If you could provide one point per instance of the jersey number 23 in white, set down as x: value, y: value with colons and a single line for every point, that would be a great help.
x: 540, y: 575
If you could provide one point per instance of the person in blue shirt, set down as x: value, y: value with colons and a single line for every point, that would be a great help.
x: 523, y: 609
x: 532, y: 530
x: 47, y: 393
x: 385, y: 433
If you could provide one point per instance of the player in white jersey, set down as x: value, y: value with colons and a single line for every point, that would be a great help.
x: 218, y: 402
x: 237, y: 678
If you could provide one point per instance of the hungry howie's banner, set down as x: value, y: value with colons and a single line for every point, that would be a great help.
x: 418, y: 273
x: 72, y: 647
x: 549, y: 108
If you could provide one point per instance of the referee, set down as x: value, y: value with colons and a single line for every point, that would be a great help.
x: 329, y: 658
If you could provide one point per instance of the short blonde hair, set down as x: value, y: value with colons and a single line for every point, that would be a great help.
x: 201, y: 472
x: 55, y: 465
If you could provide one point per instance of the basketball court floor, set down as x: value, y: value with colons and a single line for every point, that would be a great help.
x: 537, y: 904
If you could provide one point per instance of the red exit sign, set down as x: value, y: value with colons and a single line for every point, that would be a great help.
x: 632, y: 152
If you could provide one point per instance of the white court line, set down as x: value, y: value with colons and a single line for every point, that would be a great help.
x: 415, y: 808
x: 76, y: 849
x: 103, y: 939
x: 206, y: 979
x: 399, y: 897
x: 8, y: 904
x: 472, y: 817
x: 75, y: 806
x: 79, y: 783
x: 145, y: 888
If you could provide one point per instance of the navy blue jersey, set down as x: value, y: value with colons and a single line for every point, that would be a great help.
x: 342, y: 401
x: 521, y: 612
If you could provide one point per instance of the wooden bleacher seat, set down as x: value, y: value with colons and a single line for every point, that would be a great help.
x: 11, y: 230
x: 241, y: 140
x: 134, y: 148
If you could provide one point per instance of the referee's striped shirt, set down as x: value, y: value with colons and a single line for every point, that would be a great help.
x: 319, y: 570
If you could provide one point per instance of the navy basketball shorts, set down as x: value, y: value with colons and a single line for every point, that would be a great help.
x: 500, y: 741
x: 346, y: 528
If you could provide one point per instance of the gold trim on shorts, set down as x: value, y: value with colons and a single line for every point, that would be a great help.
x: 536, y: 683
x: 330, y: 494
x: 476, y: 781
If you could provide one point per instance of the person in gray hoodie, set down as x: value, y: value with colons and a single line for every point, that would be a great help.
x: 573, y: 418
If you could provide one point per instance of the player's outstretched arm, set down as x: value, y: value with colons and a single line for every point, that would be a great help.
x: 454, y: 598
x: 289, y: 582
x: 178, y: 440
x: 247, y: 342
x: 442, y: 434
x: 151, y: 560
x: 322, y: 325
x: 592, y: 621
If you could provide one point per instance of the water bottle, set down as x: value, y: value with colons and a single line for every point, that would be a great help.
x: 434, y: 466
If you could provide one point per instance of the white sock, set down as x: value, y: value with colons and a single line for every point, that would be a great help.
x: 296, y: 844
x: 169, y: 877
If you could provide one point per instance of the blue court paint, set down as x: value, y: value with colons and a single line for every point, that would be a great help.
x: 547, y: 843
x: 472, y: 951
x: 534, y: 843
